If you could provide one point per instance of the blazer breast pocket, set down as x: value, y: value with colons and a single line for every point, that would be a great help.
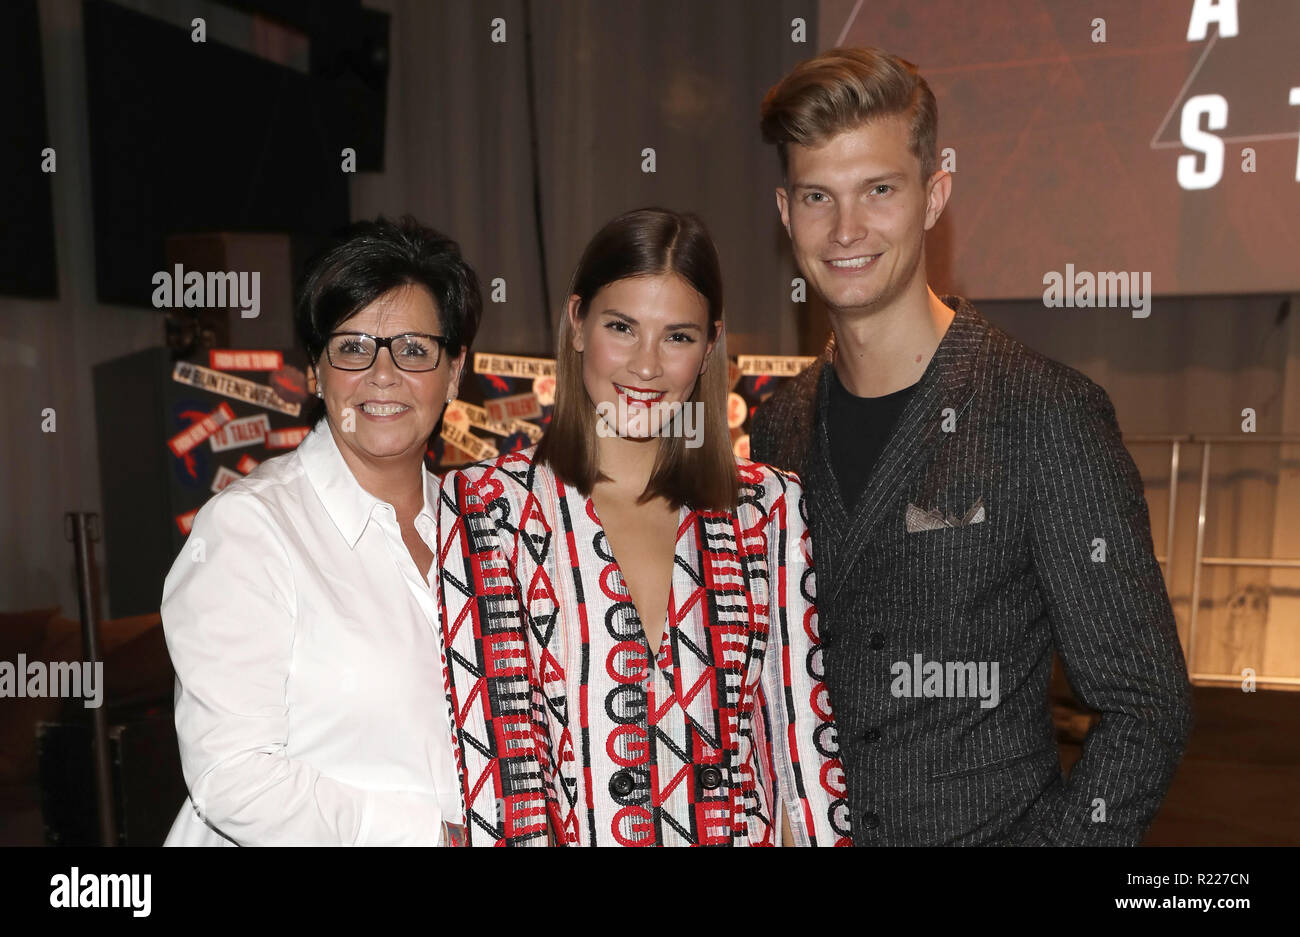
x: 951, y: 560
x: 920, y: 520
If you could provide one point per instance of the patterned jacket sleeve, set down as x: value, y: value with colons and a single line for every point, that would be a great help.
x: 1111, y: 622
x: 487, y: 668
x: 809, y: 785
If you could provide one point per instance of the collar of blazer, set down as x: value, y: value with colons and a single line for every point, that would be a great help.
x: 946, y: 383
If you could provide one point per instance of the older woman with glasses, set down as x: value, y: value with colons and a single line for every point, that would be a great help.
x: 301, y: 617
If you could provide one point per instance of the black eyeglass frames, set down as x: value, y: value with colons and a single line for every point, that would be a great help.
x: 411, y: 351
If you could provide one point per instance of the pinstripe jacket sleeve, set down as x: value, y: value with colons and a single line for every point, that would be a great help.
x: 1111, y: 621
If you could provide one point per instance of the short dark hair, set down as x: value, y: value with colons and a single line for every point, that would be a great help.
x: 373, y: 257
x: 642, y: 243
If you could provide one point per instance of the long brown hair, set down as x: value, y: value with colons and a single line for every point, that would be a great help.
x: 647, y: 242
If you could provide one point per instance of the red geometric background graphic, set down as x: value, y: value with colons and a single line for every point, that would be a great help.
x: 1058, y: 159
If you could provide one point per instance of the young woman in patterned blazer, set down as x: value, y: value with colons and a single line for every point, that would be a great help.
x: 631, y: 640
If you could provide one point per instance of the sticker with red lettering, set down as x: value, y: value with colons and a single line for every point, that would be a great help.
x: 191, y: 436
x: 459, y: 413
x: 246, y: 464
x: 287, y: 438
x: 514, y: 366
x: 544, y: 388
x: 289, y: 384
x: 229, y: 359
x: 517, y: 407
x: 249, y: 431
x: 227, y: 385
x: 186, y: 521
x: 737, y: 410
x: 224, y: 477
x: 478, y: 449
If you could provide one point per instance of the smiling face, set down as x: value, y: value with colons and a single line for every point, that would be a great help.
x: 857, y: 210
x: 384, y: 413
x: 644, y: 343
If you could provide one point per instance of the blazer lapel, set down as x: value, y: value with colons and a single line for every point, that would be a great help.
x: 826, y: 507
x: 945, y: 384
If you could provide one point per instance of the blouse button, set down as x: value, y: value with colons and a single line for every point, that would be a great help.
x: 620, y: 785
x: 710, y: 778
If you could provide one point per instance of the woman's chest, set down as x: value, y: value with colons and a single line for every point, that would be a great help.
x: 715, y: 629
x: 367, y: 631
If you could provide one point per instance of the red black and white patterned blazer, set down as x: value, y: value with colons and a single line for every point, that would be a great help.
x: 569, y: 733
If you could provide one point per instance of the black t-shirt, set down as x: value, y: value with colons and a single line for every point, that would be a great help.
x: 859, y: 429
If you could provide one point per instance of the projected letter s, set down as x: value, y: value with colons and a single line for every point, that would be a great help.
x: 1215, y: 107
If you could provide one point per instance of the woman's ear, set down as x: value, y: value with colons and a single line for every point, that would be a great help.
x: 575, y: 324
x: 458, y: 369
x: 457, y: 374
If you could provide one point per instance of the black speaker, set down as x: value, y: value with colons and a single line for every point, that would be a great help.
x: 142, y: 402
x: 148, y: 787
x: 27, y: 266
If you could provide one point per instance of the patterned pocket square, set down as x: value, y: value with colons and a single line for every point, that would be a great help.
x: 918, y: 519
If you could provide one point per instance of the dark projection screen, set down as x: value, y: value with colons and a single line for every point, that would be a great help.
x: 27, y: 265
x: 1170, y: 148
x: 192, y: 137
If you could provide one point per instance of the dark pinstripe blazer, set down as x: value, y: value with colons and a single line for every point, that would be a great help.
x: 1036, y: 444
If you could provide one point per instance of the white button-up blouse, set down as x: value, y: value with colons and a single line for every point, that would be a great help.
x: 310, y: 700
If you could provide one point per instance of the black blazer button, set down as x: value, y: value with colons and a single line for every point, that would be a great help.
x: 870, y: 820
x: 710, y: 778
x: 871, y: 735
x: 620, y: 785
x: 828, y: 639
x: 877, y: 640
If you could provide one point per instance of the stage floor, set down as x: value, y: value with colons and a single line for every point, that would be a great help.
x: 1239, y: 784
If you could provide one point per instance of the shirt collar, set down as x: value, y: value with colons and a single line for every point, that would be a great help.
x: 349, y: 505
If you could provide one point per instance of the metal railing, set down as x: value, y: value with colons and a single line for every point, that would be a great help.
x: 1207, y: 442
